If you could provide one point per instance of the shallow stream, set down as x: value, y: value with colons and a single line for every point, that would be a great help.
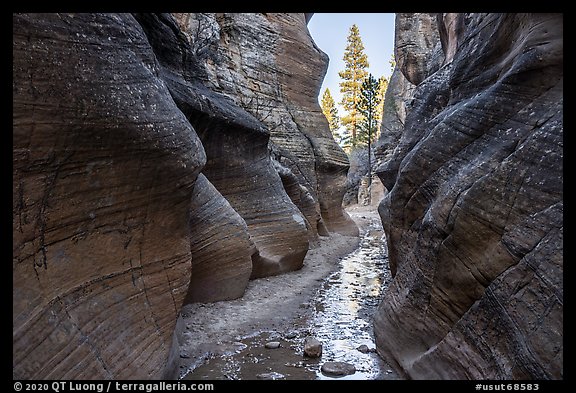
x: 340, y: 319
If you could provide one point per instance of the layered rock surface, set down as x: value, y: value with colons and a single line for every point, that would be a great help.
x: 104, y: 167
x: 221, y: 247
x: 397, y: 101
x: 114, y: 118
x: 474, y: 216
x: 269, y: 65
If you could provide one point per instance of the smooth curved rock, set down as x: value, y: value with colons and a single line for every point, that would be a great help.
x: 236, y: 144
x: 220, y: 246
x: 397, y: 103
x: 271, y: 67
x: 302, y: 68
x: 104, y: 167
x: 474, y: 216
x: 418, y: 48
x: 305, y: 201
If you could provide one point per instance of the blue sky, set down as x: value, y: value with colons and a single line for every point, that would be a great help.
x: 330, y: 32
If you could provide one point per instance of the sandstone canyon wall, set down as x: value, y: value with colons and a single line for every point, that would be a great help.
x: 474, y: 213
x: 156, y: 162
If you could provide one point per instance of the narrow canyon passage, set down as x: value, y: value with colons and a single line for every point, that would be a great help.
x: 338, y: 313
x: 178, y: 201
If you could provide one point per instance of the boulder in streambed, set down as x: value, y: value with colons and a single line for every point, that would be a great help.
x: 312, y: 348
x: 363, y: 348
x: 338, y: 368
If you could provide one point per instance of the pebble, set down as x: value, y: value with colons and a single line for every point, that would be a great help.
x: 272, y: 345
x: 271, y: 376
x: 338, y: 368
x: 291, y: 335
x: 363, y: 348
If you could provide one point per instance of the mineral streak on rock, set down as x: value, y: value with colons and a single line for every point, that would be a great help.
x: 104, y: 167
x: 474, y: 216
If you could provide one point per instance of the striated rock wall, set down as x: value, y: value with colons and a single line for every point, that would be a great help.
x: 104, y: 167
x: 222, y: 249
x: 474, y: 216
x: 417, y: 46
x: 269, y: 65
x: 397, y: 101
x: 115, y: 115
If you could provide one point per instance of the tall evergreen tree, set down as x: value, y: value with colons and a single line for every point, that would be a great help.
x: 356, y: 63
x: 368, y: 104
x: 383, y: 86
x: 370, y: 99
x: 331, y: 112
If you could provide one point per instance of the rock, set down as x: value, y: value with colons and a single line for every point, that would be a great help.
x: 104, y: 165
x: 364, y: 192
x: 271, y: 376
x: 363, y: 348
x: 272, y: 345
x: 114, y: 228
x: 312, y: 347
x: 279, y: 85
x: 291, y: 335
x: 236, y: 143
x: 397, y: 101
x: 274, y: 336
x: 474, y: 213
x: 338, y: 369
x: 221, y: 247
x: 417, y: 48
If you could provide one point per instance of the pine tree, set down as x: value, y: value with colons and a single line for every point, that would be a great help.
x: 369, y: 102
x: 331, y: 112
x: 356, y: 63
x: 368, y: 107
x: 383, y: 85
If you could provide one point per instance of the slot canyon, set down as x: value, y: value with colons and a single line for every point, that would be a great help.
x: 177, y: 200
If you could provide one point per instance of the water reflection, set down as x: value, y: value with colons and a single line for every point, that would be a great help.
x: 349, y: 298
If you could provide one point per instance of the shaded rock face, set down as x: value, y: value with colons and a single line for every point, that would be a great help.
x: 104, y: 166
x: 417, y: 47
x: 474, y: 216
x: 236, y: 145
x: 397, y: 102
x: 115, y: 116
x: 221, y: 247
x: 269, y: 65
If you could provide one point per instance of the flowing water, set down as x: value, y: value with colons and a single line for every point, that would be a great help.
x: 341, y: 321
